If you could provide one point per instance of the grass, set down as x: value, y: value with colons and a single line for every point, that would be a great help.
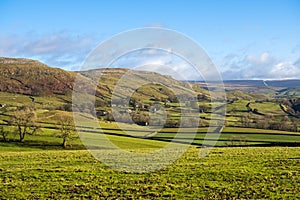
x: 268, y: 108
x: 39, y: 168
x: 51, y: 102
x: 239, y: 136
x: 235, y: 173
x: 231, y: 136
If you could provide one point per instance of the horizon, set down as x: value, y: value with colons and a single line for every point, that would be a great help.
x: 225, y: 80
x: 245, y: 40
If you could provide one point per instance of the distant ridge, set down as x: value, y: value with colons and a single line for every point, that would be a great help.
x: 284, y: 83
x: 269, y: 83
x: 289, y: 83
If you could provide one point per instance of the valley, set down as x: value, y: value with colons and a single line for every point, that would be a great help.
x: 255, y: 156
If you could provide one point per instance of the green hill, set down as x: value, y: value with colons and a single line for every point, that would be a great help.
x: 146, y: 85
x: 31, y: 77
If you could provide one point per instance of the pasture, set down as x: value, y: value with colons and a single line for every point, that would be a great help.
x: 236, y: 173
x: 247, y: 163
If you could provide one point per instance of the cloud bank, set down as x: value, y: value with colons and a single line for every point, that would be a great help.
x: 57, y: 49
x: 262, y: 66
x: 68, y: 51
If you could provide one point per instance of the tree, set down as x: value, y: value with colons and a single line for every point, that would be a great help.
x: 284, y: 124
x: 24, y: 119
x: 141, y: 118
x: 3, y: 133
x: 263, y: 123
x: 295, y: 122
x: 245, y: 120
x: 66, y: 129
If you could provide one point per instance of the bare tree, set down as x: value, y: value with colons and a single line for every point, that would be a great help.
x: 66, y: 129
x: 295, y: 123
x: 24, y: 119
x: 284, y: 124
x: 3, y: 134
x: 245, y: 120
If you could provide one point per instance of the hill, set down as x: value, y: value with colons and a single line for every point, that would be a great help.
x: 146, y: 85
x: 31, y: 77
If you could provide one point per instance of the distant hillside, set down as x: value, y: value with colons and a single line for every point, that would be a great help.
x: 259, y: 89
x: 262, y: 83
x: 148, y: 84
x: 31, y: 77
x: 284, y: 83
x: 256, y: 83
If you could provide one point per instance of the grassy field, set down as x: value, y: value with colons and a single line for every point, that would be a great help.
x: 39, y: 168
x: 235, y: 173
x: 230, y: 137
x: 247, y: 163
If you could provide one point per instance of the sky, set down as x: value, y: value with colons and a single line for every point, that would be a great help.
x: 250, y: 39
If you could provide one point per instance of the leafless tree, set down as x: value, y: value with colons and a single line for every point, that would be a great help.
x: 24, y: 118
x: 66, y: 129
x: 295, y: 123
x: 4, y: 133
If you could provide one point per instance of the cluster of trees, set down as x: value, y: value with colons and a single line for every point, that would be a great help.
x: 186, y: 122
x: 24, y: 121
x: 270, y: 122
x: 292, y: 107
x: 142, y: 118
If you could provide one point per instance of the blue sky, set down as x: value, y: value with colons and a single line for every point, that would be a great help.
x: 245, y: 39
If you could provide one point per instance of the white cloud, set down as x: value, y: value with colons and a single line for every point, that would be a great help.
x: 160, y: 61
x: 263, y: 58
x: 262, y: 66
x: 284, y: 70
x: 57, y: 50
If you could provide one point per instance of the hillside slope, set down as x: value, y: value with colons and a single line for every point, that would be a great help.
x: 31, y: 77
x: 146, y: 85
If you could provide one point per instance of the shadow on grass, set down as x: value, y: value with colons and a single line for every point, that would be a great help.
x: 42, y: 145
x: 247, y: 143
x: 230, y: 142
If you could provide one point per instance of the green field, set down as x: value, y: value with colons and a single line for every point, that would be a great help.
x: 39, y: 168
x: 235, y: 173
